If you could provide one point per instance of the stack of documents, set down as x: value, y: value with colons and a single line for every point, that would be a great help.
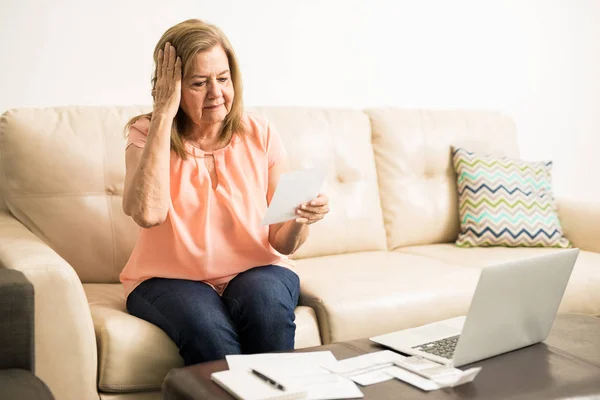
x: 384, y: 365
x: 245, y: 386
x: 319, y: 376
x: 298, y: 372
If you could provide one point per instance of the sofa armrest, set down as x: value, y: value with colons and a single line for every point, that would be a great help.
x: 581, y: 223
x: 65, y: 344
x: 16, y: 321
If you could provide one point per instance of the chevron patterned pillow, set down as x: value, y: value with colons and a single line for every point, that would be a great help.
x: 505, y: 202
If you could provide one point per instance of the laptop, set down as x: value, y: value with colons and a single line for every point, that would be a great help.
x: 514, y: 305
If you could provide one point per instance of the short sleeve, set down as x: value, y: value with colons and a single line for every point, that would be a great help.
x: 275, y: 149
x: 138, y: 132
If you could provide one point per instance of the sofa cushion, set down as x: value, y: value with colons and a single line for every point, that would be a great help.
x: 583, y: 291
x: 135, y: 355
x: 414, y: 167
x: 67, y: 164
x: 370, y: 293
x: 505, y: 202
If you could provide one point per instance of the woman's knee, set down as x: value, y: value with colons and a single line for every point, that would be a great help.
x: 267, y: 286
x: 206, y: 333
x: 199, y: 344
x: 268, y: 296
x: 191, y: 315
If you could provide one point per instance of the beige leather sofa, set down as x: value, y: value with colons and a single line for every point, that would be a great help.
x: 382, y: 260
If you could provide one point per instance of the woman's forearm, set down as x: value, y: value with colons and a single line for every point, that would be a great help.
x: 290, y: 237
x: 147, y: 198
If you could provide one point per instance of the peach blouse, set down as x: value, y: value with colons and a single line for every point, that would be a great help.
x: 211, y: 235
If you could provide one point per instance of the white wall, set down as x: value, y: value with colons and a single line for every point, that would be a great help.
x: 539, y: 61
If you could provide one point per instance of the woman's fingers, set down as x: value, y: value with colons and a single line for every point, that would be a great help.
x: 310, y: 216
x: 321, y: 200
x: 166, y: 64
x: 167, y: 89
x: 313, y: 211
x: 324, y: 209
x: 166, y: 54
x: 171, y: 63
x: 159, y: 63
x: 177, y: 73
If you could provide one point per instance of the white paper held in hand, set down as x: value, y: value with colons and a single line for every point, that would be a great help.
x: 294, y: 188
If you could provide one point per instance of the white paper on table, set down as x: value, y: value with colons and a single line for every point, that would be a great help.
x: 443, y: 375
x: 293, y: 189
x: 309, y: 358
x: 413, y: 379
x: 381, y: 366
x: 452, y: 380
x: 366, y: 369
x: 319, y: 383
x: 438, y: 376
x: 373, y: 377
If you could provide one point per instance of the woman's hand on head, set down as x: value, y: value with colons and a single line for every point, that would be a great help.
x: 167, y: 89
x: 313, y: 211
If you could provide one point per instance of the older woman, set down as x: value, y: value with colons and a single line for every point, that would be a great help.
x: 200, y: 174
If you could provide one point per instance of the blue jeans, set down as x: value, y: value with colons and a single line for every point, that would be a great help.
x: 255, y: 314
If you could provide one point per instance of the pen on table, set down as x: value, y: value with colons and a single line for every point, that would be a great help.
x: 267, y: 379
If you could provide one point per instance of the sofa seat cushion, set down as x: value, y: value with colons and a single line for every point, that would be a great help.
x: 583, y: 291
x: 369, y: 293
x: 135, y: 355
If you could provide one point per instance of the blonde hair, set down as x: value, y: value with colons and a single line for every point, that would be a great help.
x: 190, y: 37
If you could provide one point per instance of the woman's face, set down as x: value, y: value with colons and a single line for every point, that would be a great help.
x: 206, y: 89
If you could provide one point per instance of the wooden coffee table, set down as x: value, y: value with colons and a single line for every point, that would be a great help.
x: 565, y: 365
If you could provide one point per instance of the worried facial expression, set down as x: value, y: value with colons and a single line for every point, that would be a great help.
x: 206, y: 89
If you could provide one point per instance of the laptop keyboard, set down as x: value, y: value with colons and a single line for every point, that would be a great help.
x: 442, y: 348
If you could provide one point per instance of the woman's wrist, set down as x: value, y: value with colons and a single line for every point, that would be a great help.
x: 298, y: 232
x: 160, y: 125
x: 160, y: 115
x: 290, y: 237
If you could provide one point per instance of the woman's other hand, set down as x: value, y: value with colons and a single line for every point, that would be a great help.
x: 167, y: 89
x: 313, y: 211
